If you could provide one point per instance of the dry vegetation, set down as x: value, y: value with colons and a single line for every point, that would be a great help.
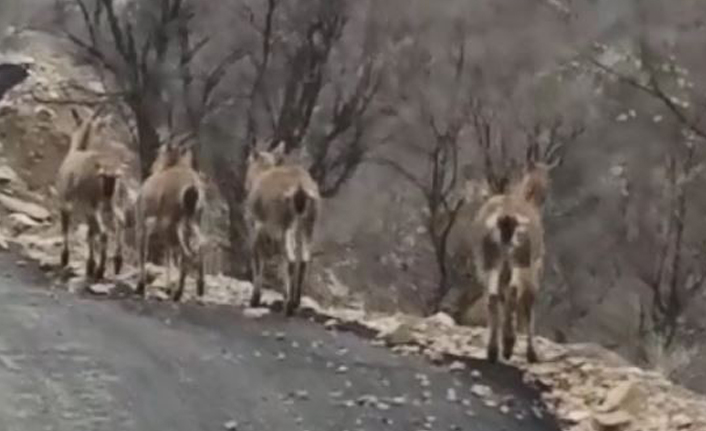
x: 399, y: 109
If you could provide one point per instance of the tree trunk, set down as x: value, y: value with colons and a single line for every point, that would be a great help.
x: 147, y: 139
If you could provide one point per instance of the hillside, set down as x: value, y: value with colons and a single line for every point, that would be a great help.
x: 588, y: 386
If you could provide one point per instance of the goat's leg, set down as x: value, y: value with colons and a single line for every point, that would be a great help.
x: 290, y: 271
x: 102, y: 234
x: 289, y: 305
x: 119, y: 240
x: 303, y: 257
x: 143, y: 246
x: 169, y: 257
x: 184, y: 262
x: 90, y: 237
x: 65, y: 227
x: 493, y: 313
x: 509, y: 334
x: 257, y: 266
x: 526, y: 304
x: 200, y: 279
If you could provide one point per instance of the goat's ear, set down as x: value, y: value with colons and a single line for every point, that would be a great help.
x: 280, y: 151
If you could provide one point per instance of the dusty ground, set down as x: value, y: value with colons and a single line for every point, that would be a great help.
x: 71, y: 362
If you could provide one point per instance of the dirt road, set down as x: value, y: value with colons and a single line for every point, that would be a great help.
x: 74, y: 363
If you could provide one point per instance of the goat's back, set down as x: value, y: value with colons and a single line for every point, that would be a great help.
x: 163, y: 194
x: 79, y: 178
x: 282, y: 194
x: 512, y: 205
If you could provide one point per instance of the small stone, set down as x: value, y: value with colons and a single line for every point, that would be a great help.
x: 256, y: 313
x: 577, y: 416
x: 100, y: 288
x: 32, y: 210
x: 611, y: 421
x: 451, y: 395
x: 401, y: 334
x: 682, y: 421
x: 231, y: 425
x: 626, y: 396
x: 8, y: 175
x: 481, y: 390
x: 457, y: 366
x: 398, y: 401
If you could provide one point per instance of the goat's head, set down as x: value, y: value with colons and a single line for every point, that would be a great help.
x: 260, y: 161
x: 172, y: 154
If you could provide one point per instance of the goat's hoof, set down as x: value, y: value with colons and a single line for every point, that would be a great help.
x: 140, y: 289
x: 118, y: 264
x: 255, y: 300
x: 64, y: 258
x: 532, y: 356
x: 508, y: 347
x: 176, y: 296
x: 200, y: 288
x: 492, y: 354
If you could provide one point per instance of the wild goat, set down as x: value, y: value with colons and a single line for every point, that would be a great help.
x: 168, y: 208
x: 86, y: 185
x: 282, y: 208
x: 508, y: 240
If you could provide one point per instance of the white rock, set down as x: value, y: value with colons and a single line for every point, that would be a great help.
x: 256, y: 313
x: 8, y: 175
x: 33, y: 210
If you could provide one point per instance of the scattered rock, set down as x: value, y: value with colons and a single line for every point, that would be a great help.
x: 256, y: 313
x: 100, y: 288
x: 682, y: 421
x: 482, y: 391
x: 8, y: 175
x: 457, y: 366
x: 451, y: 395
x: 34, y: 211
x: 20, y: 223
x: 231, y: 425
x: 612, y: 421
x: 576, y: 416
x: 626, y: 396
x: 401, y: 334
x: 441, y: 319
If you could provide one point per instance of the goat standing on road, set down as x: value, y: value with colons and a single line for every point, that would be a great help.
x: 508, y: 237
x: 86, y: 185
x: 282, y: 208
x: 168, y: 208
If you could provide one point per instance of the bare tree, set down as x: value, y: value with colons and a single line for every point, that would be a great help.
x: 143, y: 49
x: 290, y: 100
x: 676, y: 275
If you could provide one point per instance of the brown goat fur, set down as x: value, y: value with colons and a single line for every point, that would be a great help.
x: 86, y: 185
x: 508, y: 240
x: 168, y: 209
x: 282, y: 209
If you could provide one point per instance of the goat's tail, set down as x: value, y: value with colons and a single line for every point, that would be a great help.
x: 507, y: 225
x: 300, y: 200
x: 190, y: 200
